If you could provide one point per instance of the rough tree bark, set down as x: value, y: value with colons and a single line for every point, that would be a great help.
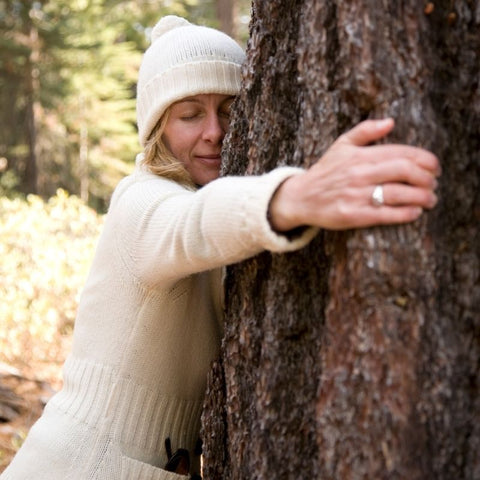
x: 359, y: 356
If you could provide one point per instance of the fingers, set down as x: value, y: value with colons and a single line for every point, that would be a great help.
x: 367, y: 132
x: 368, y: 215
x: 370, y: 131
x: 423, y: 158
x: 347, y: 217
x: 399, y: 171
x: 336, y: 192
x: 395, y: 195
x: 400, y: 204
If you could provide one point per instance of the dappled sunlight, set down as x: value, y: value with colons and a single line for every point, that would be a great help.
x: 46, y: 249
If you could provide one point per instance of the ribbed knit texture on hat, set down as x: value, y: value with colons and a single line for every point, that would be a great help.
x: 184, y: 60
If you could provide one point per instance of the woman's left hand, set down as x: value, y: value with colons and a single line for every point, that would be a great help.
x: 356, y: 184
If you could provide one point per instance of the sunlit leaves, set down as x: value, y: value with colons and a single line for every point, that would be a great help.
x: 46, y: 251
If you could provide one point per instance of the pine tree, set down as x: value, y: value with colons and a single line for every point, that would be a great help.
x: 68, y: 72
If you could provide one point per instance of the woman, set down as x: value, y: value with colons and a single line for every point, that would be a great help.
x: 149, y: 321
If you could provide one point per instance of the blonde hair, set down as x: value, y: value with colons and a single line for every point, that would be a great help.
x: 159, y: 160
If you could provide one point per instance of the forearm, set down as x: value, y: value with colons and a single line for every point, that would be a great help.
x: 168, y: 231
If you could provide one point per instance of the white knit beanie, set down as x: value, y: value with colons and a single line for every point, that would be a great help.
x: 184, y: 60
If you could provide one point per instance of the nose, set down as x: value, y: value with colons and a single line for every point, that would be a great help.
x: 214, y: 130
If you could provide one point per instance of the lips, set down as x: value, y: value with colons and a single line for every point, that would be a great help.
x: 209, y: 159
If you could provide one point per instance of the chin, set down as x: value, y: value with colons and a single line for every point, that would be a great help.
x: 204, y: 179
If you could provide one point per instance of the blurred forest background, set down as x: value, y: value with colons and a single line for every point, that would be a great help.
x: 67, y: 85
x: 68, y: 72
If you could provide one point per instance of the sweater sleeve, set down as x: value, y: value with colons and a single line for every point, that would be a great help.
x: 165, y: 232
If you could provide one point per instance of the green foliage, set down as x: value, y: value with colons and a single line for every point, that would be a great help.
x: 9, y: 181
x: 67, y: 87
x: 46, y: 251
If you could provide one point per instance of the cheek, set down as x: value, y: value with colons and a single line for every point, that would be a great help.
x: 180, y: 142
x: 166, y: 139
x: 174, y: 144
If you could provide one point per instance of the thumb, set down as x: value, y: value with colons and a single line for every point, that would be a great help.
x: 367, y: 132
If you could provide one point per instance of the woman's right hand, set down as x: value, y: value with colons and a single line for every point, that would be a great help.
x: 336, y: 192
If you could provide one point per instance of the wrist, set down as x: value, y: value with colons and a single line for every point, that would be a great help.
x: 282, y: 212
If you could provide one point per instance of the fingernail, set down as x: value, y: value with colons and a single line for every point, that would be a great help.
x: 384, y: 122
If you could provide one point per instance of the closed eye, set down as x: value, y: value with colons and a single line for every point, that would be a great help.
x: 190, y: 116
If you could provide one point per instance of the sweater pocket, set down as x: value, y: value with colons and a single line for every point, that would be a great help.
x: 133, y: 469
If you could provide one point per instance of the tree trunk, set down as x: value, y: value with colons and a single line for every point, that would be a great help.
x: 83, y: 170
x: 226, y: 16
x: 359, y: 356
x: 30, y: 176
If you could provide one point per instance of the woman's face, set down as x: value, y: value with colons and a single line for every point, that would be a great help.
x: 194, y: 133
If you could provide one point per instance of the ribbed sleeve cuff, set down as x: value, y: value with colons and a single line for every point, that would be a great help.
x: 256, y: 204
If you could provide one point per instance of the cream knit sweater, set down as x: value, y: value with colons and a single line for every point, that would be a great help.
x: 148, y: 327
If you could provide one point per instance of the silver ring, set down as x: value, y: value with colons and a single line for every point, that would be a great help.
x: 377, y: 196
